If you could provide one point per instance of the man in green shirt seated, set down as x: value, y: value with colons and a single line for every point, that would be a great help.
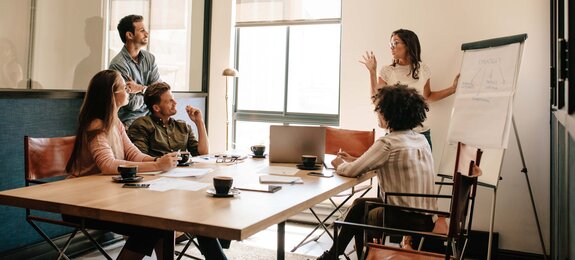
x: 158, y: 133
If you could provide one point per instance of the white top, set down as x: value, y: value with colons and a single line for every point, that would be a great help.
x: 404, y: 163
x: 401, y: 74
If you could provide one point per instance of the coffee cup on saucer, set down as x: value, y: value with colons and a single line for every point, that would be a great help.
x: 308, y: 161
x: 184, y: 158
x: 128, y: 171
x: 258, y: 150
x: 223, y: 184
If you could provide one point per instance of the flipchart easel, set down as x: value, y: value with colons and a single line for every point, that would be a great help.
x: 484, y: 102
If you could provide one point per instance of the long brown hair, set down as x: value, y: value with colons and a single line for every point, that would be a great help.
x: 411, y: 41
x: 99, y: 103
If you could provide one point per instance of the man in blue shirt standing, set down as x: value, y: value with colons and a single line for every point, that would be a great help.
x: 137, y: 66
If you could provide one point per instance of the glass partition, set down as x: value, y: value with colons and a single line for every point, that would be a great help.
x: 61, y: 44
x: 14, y: 42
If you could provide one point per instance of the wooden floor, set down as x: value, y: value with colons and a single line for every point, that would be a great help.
x: 294, y: 233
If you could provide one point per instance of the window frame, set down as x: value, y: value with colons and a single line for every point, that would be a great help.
x: 283, y: 117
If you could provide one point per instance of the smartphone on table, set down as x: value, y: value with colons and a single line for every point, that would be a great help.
x: 136, y: 185
x: 321, y: 174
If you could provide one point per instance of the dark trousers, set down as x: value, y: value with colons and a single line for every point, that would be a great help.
x: 427, y: 135
x: 143, y: 239
x: 393, y: 219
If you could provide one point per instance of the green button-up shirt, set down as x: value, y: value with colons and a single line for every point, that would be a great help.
x: 155, y: 138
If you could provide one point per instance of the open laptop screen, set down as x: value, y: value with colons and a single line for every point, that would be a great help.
x: 289, y: 143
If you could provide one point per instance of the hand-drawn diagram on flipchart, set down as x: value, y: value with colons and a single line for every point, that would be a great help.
x: 483, y: 104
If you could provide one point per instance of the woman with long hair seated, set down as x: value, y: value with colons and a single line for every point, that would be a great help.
x: 102, y: 145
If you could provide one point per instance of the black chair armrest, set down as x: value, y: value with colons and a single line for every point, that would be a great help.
x: 372, y: 204
x: 405, y: 194
x: 444, y: 183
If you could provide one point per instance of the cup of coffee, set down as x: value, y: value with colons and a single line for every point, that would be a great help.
x: 223, y: 184
x: 308, y: 160
x: 184, y: 157
x: 128, y: 171
x: 258, y: 149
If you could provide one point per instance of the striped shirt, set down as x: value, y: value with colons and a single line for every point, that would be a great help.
x: 403, y: 162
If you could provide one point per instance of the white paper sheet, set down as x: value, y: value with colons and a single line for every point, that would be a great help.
x: 279, y: 170
x: 279, y: 179
x: 484, y: 100
x: 164, y: 184
x: 186, y: 172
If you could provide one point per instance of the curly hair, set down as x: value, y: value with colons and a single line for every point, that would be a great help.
x: 402, y: 108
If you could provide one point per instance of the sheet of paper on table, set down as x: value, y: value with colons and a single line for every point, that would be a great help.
x: 187, y: 172
x: 164, y: 184
x: 279, y: 170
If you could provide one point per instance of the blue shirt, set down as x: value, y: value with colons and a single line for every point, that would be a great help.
x: 144, y: 72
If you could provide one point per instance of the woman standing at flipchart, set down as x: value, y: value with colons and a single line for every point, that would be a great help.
x: 406, y: 69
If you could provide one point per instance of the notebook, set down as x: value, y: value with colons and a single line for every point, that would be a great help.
x: 260, y: 188
x: 289, y: 143
x: 280, y: 179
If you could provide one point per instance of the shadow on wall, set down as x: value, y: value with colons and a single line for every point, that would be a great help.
x: 91, y: 64
x: 10, y: 70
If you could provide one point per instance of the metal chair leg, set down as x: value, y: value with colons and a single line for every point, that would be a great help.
x: 98, y: 246
x: 67, y: 244
x: 182, y: 253
x: 47, y: 239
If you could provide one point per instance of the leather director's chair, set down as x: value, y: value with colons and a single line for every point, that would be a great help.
x: 45, y: 160
x: 460, y: 215
x: 355, y: 143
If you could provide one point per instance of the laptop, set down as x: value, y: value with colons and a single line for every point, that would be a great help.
x: 289, y: 143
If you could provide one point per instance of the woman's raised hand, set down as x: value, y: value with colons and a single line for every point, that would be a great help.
x: 369, y: 61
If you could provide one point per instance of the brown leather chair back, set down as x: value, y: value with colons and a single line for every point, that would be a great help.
x: 354, y: 142
x: 46, y: 157
x: 463, y: 187
x: 467, y: 154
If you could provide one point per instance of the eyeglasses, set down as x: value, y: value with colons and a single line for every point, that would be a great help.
x: 125, y: 89
x: 222, y: 158
x: 393, y: 44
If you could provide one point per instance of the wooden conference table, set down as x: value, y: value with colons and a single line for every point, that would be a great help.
x: 234, y: 218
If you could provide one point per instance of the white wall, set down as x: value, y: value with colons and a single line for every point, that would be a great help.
x: 221, y: 49
x: 442, y: 26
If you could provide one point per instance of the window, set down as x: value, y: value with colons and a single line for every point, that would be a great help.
x: 288, y: 55
x: 61, y: 44
x: 178, y: 54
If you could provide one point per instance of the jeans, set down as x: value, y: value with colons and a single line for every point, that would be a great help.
x: 427, y: 135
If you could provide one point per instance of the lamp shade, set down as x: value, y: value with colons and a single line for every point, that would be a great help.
x: 230, y: 72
